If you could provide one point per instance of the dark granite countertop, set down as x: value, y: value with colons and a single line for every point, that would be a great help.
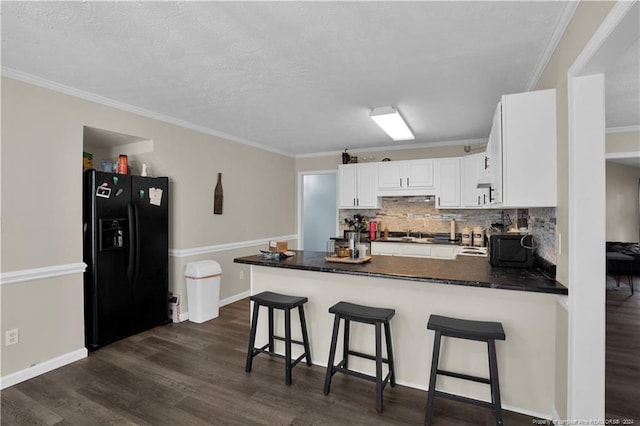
x: 464, y: 270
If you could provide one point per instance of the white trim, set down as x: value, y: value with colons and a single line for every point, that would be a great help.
x: 617, y: 155
x: 92, y: 97
x: 566, y: 16
x: 623, y: 129
x: 184, y: 316
x: 44, y: 367
x: 563, y: 301
x: 590, y: 56
x: 41, y: 273
x: 555, y: 417
x: 399, y: 147
x: 228, y: 246
x: 234, y: 298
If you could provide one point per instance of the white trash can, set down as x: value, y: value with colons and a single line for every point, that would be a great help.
x: 203, y: 289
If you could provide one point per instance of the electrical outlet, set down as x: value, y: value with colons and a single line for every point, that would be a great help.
x: 12, y: 337
x: 242, y: 275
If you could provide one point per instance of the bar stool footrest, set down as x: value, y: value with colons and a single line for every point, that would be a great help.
x: 465, y: 399
x: 464, y: 376
x: 367, y: 356
x: 339, y: 369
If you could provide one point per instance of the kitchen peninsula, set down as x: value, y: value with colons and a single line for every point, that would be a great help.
x: 466, y: 287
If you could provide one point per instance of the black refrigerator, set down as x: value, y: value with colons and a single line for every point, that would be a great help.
x: 126, y: 249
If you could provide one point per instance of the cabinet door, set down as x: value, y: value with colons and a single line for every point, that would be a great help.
x: 384, y: 248
x: 471, y: 170
x: 448, y: 182
x: 443, y: 252
x: 367, y: 186
x: 391, y: 175
x: 347, y: 181
x: 420, y: 173
x: 495, y: 157
x: 416, y: 250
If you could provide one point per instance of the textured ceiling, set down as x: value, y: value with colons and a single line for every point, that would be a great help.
x: 295, y: 77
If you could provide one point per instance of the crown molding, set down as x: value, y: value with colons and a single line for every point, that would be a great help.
x: 563, y: 22
x: 92, y: 97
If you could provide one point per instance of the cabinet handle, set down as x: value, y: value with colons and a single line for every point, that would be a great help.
x: 357, y: 201
x: 486, y: 162
x: 400, y: 182
x: 354, y: 201
x: 484, y: 198
x: 478, y: 200
x: 490, y: 194
x: 407, y: 182
x: 438, y: 201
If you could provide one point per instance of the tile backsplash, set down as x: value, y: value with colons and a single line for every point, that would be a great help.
x: 402, y: 214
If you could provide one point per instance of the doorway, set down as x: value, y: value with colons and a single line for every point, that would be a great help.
x: 317, y: 210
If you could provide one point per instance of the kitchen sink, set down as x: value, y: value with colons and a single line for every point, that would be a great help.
x: 410, y: 239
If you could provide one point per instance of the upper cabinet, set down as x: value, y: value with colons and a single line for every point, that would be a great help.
x: 357, y: 186
x: 522, y: 158
x: 412, y: 177
x: 447, y: 182
x: 472, y: 169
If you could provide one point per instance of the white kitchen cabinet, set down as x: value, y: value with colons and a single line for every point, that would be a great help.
x: 434, y: 251
x: 411, y: 177
x: 521, y: 152
x: 447, y: 182
x: 357, y: 186
x: 471, y: 170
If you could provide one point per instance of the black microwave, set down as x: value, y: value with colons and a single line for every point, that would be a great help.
x: 511, y: 250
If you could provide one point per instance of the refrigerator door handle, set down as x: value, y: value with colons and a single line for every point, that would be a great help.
x: 136, y: 270
x: 131, y: 217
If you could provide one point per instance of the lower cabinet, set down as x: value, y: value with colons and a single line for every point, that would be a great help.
x: 433, y: 251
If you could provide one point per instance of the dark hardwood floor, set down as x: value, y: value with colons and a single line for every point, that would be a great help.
x: 622, y: 378
x: 193, y: 374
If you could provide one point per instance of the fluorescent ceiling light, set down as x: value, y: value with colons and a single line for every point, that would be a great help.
x: 392, y: 123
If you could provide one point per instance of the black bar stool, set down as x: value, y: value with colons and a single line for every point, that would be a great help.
x: 286, y: 303
x: 483, y: 331
x: 364, y: 314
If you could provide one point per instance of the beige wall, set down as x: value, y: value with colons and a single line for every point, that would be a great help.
x: 622, y: 142
x: 42, y: 134
x: 623, y: 209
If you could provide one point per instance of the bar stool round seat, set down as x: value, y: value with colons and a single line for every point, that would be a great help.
x: 285, y: 303
x: 378, y: 317
x: 484, y: 331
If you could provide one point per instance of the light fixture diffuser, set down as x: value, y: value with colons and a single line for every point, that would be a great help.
x: 390, y: 120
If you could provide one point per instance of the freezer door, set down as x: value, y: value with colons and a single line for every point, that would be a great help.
x: 107, y: 242
x: 150, y: 198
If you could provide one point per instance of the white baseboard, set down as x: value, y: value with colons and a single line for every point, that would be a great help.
x: 184, y: 316
x: 45, y: 367
x: 234, y: 298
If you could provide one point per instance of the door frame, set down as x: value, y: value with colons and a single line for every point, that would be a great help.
x: 586, y: 182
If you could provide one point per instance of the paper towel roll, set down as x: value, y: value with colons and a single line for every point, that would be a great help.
x: 452, y: 234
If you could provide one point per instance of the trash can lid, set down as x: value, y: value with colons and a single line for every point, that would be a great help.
x: 202, y: 269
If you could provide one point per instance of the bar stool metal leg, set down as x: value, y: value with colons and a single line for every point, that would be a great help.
x: 287, y: 345
x: 252, y: 338
x: 495, y: 383
x: 305, y: 337
x: 433, y: 377
x: 332, y: 353
x: 387, y: 338
x: 271, y: 332
x: 378, y: 368
x: 345, y: 346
